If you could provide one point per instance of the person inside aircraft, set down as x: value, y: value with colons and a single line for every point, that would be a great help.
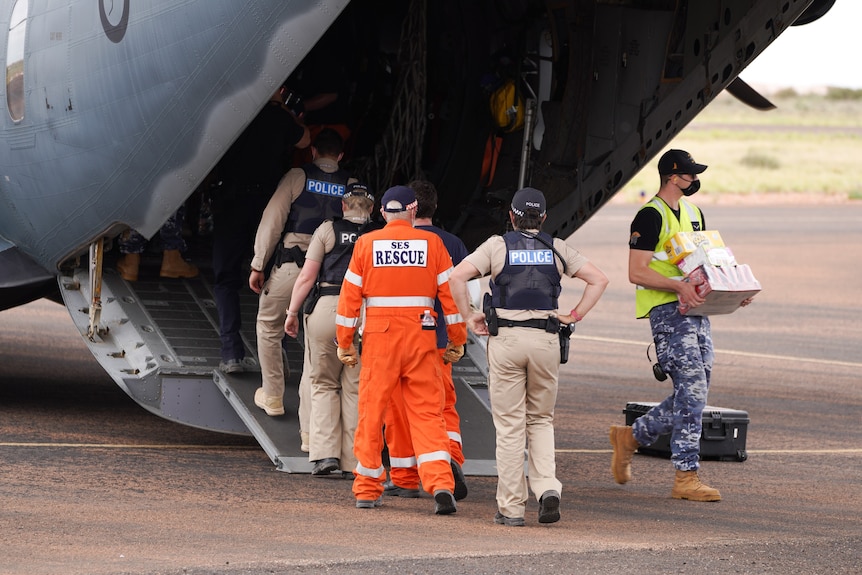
x: 132, y: 245
x: 397, y: 272
x: 403, y: 474
x: 250, y: 172
x: 334, y: 386
x: 319, y: 90
x: 305, y: 197
x: 524, y: 352
x: 683, y: 342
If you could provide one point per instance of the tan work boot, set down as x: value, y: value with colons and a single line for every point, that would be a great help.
x: 174, y: 266
x: 625, y: 444
x: 270, y: 404
x: 688, y: 486
x: 128, y: 265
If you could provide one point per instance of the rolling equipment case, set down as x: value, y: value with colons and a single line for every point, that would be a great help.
x: 723, y: 436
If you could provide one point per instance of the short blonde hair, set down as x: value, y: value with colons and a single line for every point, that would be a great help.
x: 363, y: 203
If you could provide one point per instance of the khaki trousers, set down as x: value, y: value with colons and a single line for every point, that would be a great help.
x: 523, y: 366
x: 304, y: 411
x: 334, y: 389
x: 274, y: 300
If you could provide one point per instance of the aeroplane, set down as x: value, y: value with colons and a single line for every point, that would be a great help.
x: 115, y: 111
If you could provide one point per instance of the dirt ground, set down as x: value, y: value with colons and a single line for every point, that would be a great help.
x: 90, y: 483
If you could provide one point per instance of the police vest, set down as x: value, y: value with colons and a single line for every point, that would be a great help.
x: 529, y: 279
x: 319, y: 200
x: 335, y: 262
x: 646, y: 299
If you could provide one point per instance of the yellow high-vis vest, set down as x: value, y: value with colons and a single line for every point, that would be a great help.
x: 646, y: 299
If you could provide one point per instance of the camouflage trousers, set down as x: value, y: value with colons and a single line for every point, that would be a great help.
x: 171, y: 234
x: 684, y: 350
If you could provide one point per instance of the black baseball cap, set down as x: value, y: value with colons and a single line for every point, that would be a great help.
x: 678, y: 162
x: 528, y: 198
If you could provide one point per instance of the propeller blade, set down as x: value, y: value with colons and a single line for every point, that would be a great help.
x: 748, y: 95
x: 814, y: 12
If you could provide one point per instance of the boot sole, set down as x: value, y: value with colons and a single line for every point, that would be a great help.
x: 444, y: 504
x: 707, y: 499
x: 549, y: 509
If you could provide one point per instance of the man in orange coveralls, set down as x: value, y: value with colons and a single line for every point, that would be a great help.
x: 398, y: 271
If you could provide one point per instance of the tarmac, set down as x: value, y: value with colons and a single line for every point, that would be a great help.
x: 90, y: 483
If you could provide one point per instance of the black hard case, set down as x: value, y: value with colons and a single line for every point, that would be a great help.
x: 722, y: 438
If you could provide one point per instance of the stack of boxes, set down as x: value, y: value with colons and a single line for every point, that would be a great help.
x: 711, y: 266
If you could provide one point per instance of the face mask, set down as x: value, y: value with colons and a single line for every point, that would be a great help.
x: 692, y: 188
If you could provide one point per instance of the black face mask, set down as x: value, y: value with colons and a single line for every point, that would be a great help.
x: 692, y: 188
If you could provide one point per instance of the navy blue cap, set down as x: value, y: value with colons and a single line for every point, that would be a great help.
x: 398, y: 199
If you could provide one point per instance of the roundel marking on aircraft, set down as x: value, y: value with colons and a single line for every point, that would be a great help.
x: 114, y: 32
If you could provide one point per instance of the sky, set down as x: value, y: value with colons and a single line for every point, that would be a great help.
x: 822, y: 53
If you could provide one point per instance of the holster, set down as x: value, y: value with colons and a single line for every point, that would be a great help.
x: 316, y: 293
x: 553, y: 325
x: 490, y: 315
x: 285, y: 255
x: 566, y: 332
x: 311, y: 299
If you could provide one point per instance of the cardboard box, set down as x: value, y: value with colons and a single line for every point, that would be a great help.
x: 723, y: 287
x: 705, y: 255
x: 684, y: 243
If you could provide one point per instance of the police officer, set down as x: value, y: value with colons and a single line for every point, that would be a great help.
x: 132, y: 244
x: 397, y: 272
x: 683, y: 342
x: 523, y: 325
x: 304, y: 198
x: 334, y: 387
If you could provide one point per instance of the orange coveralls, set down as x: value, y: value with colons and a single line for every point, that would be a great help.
x: 398, y: 271
x: 402, y: 470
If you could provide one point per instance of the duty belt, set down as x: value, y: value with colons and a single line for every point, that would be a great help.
x: 536, y: 323
x: 330, y: 290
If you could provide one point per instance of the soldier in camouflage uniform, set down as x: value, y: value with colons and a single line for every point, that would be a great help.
x: 132, y: 244
x: 683, y: 342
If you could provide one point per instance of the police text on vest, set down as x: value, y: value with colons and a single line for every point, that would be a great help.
x: 530, y: 257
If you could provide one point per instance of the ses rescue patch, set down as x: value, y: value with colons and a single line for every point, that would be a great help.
x: 324, y: 188
x: 400, y: 253
x: 530, y: 257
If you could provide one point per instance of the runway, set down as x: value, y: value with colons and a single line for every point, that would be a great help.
x: 90, y: 483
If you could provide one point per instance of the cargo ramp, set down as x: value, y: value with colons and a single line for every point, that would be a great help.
x: 158, y: 339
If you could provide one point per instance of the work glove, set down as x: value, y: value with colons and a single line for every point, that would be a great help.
x: 348, y: 356
x: 453, y: 353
